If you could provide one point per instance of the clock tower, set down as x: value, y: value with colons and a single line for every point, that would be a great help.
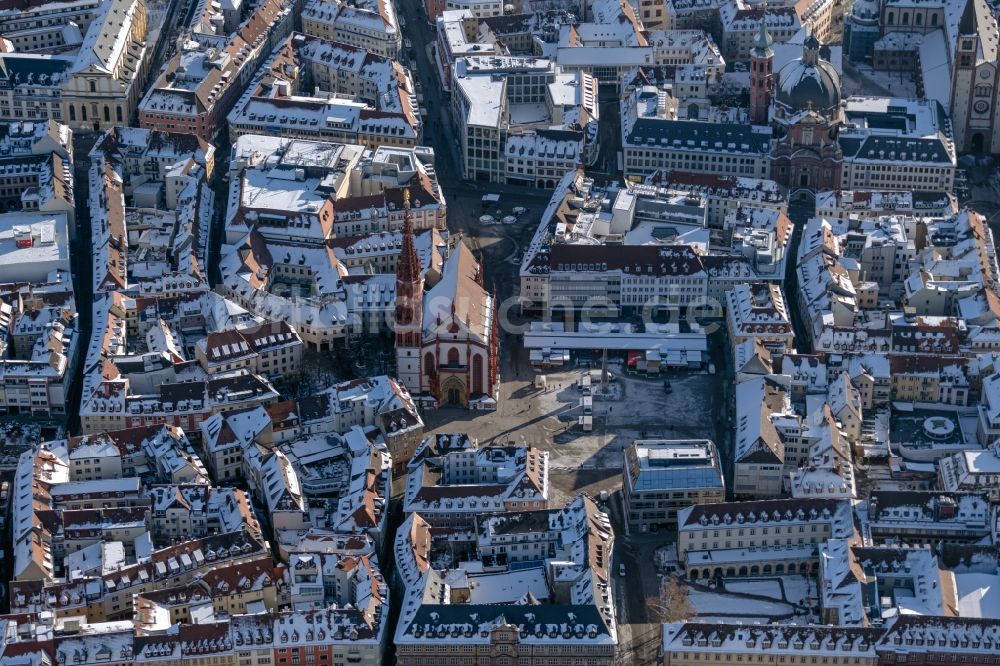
x: 974, y: 82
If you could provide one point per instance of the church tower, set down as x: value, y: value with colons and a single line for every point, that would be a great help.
x: 970, y: 112
x: 761, y: 77
x: 409, y: 307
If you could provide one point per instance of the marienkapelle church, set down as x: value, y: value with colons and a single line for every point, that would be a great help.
x: 446, y: 330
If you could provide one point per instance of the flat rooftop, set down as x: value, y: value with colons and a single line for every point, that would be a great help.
x: 669, y: 464
x: 898, y: 116
x: 666, y: 453
x: 926, y: 428
x: 280, y: 190
x: 320, y: 154
x: 48, y: 233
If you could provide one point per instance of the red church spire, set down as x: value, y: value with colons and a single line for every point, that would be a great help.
x: 408, y: 326
x: 408, y: 268
x: 409, y: 285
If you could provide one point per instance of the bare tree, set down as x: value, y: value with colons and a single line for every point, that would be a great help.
x: 673, y: 604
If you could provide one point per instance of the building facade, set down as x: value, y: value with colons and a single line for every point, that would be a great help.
x: 447, y: 336
x: 806, y: 113
x: 662, y: 476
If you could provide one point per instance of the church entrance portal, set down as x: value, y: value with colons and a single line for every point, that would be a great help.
x: 453, y: 391
x: 977, y: 142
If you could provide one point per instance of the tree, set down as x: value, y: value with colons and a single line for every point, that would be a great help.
x: 673, y: 604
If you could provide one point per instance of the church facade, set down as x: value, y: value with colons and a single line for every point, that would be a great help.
x: 446, y: 330
x: 802, y: 103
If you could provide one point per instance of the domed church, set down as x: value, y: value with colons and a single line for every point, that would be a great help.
x: 803, y: 99
x: 807, y: 83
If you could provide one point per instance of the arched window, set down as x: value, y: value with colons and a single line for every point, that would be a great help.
x: 83, y: 111
x: 892, y: 18
x: 906, y: 18
x: 933, y: 19
x: 428, y: 362
x: 918, y: 19
x: 118, y: 114
x: 477, y: 374
x: 453, y: 356
x: 72, y: 112
x: 107, y: 114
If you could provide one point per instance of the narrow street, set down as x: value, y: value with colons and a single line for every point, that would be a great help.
x: 82, y: 264
x: 724, y: 400
x: 82, y: 255
x: 799, y: 212
x: 438, y: 131
x: 178, y: 16
x: 220, y: 187
x: 609, y: 135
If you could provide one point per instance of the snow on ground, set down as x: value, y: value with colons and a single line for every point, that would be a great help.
x: 978, y: 595
x: 898, y: 84
x: 666, y: 557
x: 769, y: 587
x: 713, y: 603
x: 548, y: 419
x: 640, y: 400
x: 796, y: 588
x: 642, y: 408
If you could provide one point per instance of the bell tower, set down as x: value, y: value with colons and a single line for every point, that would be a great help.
x: 407, y: 325
x: 761, y: 77
x: 970, y: 117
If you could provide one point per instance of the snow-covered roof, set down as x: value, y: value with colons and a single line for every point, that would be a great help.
x: 978, y: 595
x: 659, y: 465
x: 783, y: 640
x: 758, y: 310
x: 789, y: 511
x: 500, y: 474
x: 361, y: 17
x: 33, y: 244
x: 915, y: 634
x: 580, y: 539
